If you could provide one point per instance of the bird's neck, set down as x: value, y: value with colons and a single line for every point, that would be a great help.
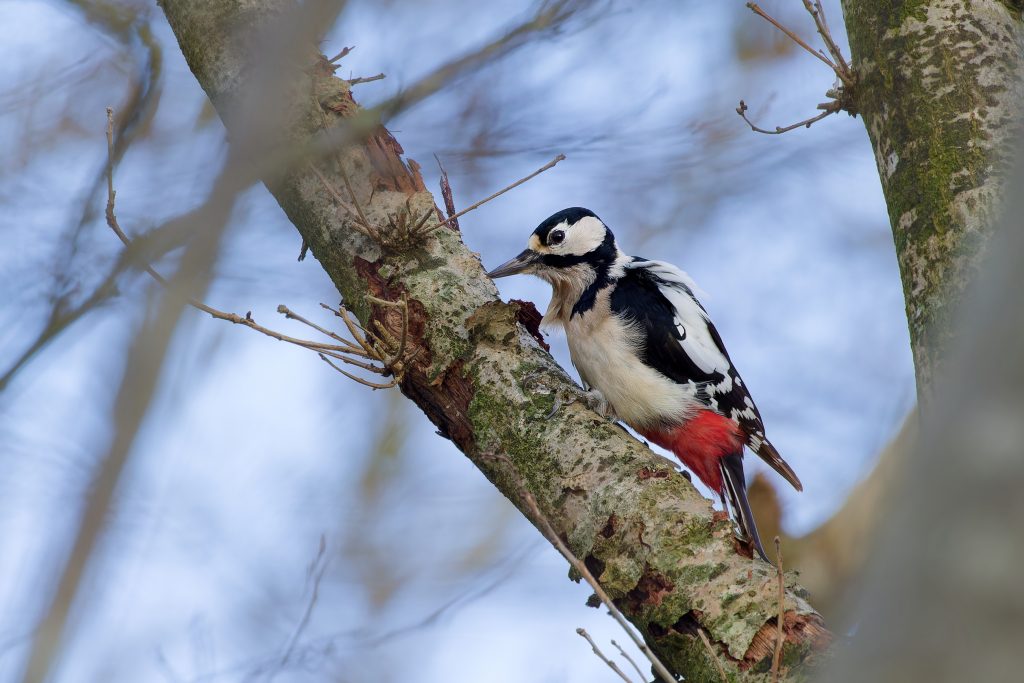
x: 574, y: 289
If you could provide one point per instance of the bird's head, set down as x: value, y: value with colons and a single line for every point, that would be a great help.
x: 568, y: 245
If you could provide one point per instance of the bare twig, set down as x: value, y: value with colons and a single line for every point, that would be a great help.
x: 828, y: 107
x: 544, y: 526
x: 545, y: 167
x: 600, y: 655
x: 756, y: 9
x: 630, y: 660
x: 841, y: 94
x: 712, y: 654
x: 842, y: 67
x: 111, y: 194
x: 780, y: 634
x: 315, y: 572
x: 352, y: 195
x: 365, y: 79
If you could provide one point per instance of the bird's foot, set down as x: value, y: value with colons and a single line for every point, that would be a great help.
x: 596, y: 401
x: 593, y: 399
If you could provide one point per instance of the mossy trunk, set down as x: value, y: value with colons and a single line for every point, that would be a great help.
x: 482, y: 376
x: 940, y: 89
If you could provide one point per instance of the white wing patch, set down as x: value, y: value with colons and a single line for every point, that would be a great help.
x: 691, y: 321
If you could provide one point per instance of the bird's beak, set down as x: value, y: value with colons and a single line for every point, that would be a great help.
x: 519, y: 264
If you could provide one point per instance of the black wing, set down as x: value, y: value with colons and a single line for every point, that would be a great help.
x: 681, y: 342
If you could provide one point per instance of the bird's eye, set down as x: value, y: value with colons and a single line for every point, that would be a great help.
x: 556, y: 237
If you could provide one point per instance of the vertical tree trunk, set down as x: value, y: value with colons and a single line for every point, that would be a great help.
x: 944, y: 594
x: 940, y: 91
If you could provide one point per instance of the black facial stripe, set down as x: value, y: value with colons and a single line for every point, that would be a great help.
x: 567, y: 261
x: 600, y: 260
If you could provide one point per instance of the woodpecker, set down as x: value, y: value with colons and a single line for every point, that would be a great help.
x: 649, y: 354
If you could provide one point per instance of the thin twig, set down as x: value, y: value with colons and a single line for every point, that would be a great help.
x: 828, y: 107
x: 794, y: 37
x: 353, y: 328
x: 842, y: 68
x: 291, y: 315
x: 365, y: 79
x: 630, y: 660
x: 545, y: 167
x: 360, y: 380
x: 316, y: 570
x: 780, y: 634
x: 111, y: 194
x: 600, y: 655
x: 542, y: 523
x: 842, y: 95
x: 712, y: 654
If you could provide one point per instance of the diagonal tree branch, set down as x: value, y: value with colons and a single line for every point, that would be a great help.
x: 657, y: 548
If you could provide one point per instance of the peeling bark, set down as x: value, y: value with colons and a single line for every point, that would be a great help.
x: 940, y: 88
x: 483, y: 378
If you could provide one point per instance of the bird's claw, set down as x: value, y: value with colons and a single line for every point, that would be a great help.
x: 596, y: 401
x: 554, y: 408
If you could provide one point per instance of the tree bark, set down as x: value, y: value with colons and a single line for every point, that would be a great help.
x: 483, y: 378
x: 940, y: 88
x: 943, y: 592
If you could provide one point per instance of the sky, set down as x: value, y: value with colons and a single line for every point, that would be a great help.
x: 255, y: 453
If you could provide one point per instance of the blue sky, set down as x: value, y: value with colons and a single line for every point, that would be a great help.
x: 253, y: 451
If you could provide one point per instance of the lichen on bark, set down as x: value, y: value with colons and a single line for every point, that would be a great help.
x: 940, y: 91
x: 485, y: 381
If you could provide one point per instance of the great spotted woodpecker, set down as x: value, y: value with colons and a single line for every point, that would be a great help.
x: 646, y: 348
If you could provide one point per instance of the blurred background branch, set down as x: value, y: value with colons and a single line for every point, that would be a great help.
x: 145, y: 358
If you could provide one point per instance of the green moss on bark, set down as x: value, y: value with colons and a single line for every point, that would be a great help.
x: 939, y: 91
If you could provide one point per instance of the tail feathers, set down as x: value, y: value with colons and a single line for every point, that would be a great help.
x: 771, y: 456
x: 734, y: 496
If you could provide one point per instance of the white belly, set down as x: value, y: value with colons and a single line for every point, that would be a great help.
x: 604, y: 352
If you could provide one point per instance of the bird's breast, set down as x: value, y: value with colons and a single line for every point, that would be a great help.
x: 606, y: 351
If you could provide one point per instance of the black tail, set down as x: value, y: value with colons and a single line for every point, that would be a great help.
x: 734, y: 497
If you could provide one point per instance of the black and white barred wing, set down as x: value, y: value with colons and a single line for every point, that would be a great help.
x: 694, y: 352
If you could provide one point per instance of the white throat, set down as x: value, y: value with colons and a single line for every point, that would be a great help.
x: 568, y: 285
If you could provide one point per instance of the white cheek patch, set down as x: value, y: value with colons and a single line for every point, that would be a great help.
x: 584, y: 236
